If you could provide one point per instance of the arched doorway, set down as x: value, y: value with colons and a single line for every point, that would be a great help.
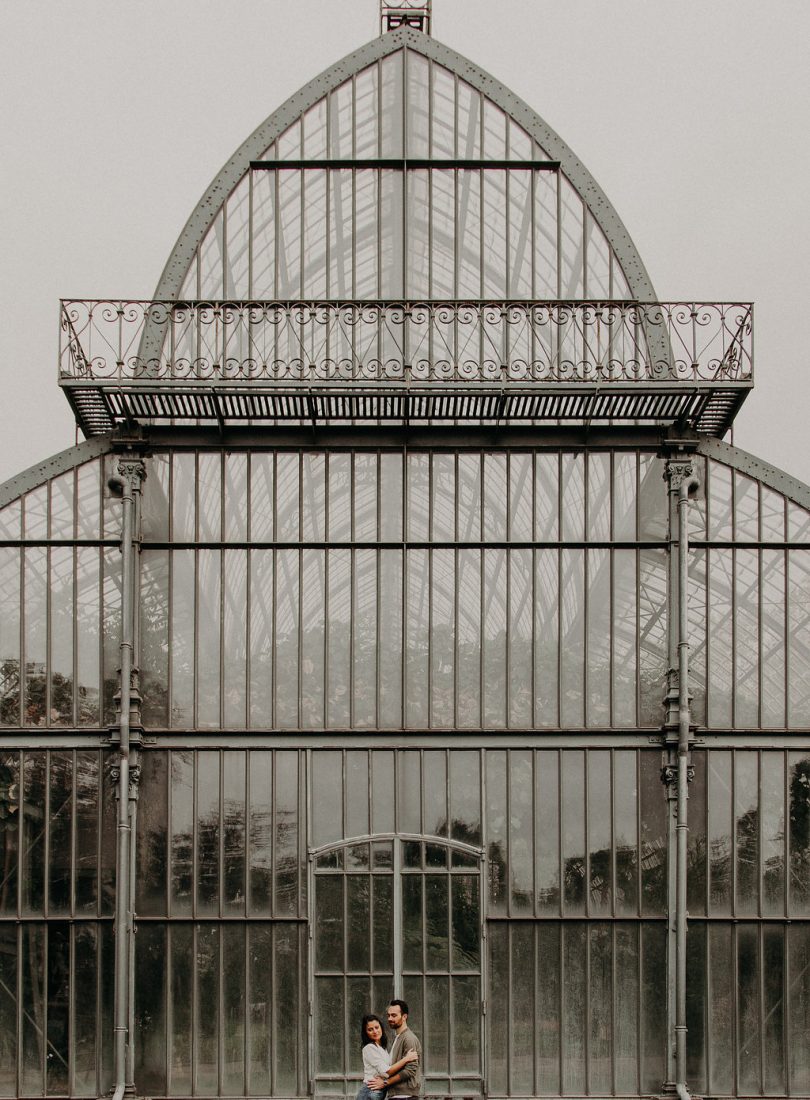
x: 397, y: 916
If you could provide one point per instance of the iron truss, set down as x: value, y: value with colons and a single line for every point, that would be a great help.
x: 583, y: 362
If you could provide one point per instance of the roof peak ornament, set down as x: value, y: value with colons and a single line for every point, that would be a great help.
x: 407, y: 13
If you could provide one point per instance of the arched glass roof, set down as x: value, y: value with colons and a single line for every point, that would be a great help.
x: 408, y: 173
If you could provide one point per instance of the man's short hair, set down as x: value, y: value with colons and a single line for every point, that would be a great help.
x: 401, y: 1005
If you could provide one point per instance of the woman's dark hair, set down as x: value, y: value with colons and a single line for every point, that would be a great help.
x: 364, y: 1037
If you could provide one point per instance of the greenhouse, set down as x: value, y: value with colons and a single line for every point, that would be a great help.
x: 404, y: 627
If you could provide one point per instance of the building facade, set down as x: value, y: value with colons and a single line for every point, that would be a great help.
x: 404, y: 627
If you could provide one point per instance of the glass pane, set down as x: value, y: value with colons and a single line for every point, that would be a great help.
x: 151, y: 969
x: 721, y: 1008
x: 653, y: 1008
x: 233, y: 831
x: 626, y: 1019
x: 748, y: 1020
x: 208, y: 832
x: 209, y: 973
x: 500, y: 1010
x: 152, y: 838
x: 358, y: 925
x: 382, y: 927
x: 573, y: 831
x: 412, y: 922
x: 10, y: 636
x: 33, y: 967
x: 8, y: 1009
x: 58, y: 1008
x: 653, y: 835
x: 260, y: 831
x: 88, y: 783
x: 773, y: 833
x: 465, y: 924
x: 32, y: 868
x: 286, y: 838
x: 575, y: 1000
x: 799, y: 832
x: 182, y: 826
x: 437, y: 920
x: 88, y: 612
x: 600, y: 1038
x: 260, y: 1005
x: 233, y: 1010
x: 10, y: 794
x: 746, y: 812
x: 799, y: 1008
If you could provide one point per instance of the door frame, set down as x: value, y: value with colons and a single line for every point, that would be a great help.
x: 398, y: 839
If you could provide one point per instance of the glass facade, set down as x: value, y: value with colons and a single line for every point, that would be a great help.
x: 402, y: 699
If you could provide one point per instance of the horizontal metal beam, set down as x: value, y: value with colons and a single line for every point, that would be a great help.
x: 405, y: 164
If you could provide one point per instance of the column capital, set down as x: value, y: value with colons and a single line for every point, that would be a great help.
x: 677, y: 471
x: 132, y: 467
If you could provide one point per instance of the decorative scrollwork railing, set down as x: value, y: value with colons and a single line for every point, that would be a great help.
x: 405, y: 342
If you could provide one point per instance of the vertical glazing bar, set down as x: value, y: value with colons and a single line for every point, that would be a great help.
x: 71, y: 1012
x: 559, y: 234
x: 168, y: 1004
x: 133, y: 879
x: 352, y: 589
x: 195, y: 1002
x: 586, y: 609
x: 640, y: 1002
x: 397, y: 908
x: 585, y: 288
x: 613, y: 997
x: 170, y: 565
x: 404, y: 124
x: 220, y: 951
x: 786, y: 856
x: 221, y: 839
x: 196, y: 601
x: 73, y: 835
x: 560, y: 859
x: 456, y: 602
x: 482, y: 580
x: 761, y: 1012
x: 588, y: 953
x: 562, y: 985
x: 330, y: 179
x: 734, y: 853
x: 19, y: 988
x: 309, y: 865
x: 46, y: 878
x: 785, y: 633
x: 250, y: 236
x: 49, y: 585
x: 274, y: 603
x: 508, y: 598
x: 403, y: 663
x: 735, y: 1002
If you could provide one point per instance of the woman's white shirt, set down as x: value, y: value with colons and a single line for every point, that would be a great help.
x: 375, y: 1061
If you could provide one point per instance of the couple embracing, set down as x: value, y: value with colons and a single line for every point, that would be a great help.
x: 389, y: 1075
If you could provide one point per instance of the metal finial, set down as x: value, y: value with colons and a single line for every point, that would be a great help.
x: 407, y: 13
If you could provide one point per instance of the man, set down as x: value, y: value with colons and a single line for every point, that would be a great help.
x: 406, y: 1082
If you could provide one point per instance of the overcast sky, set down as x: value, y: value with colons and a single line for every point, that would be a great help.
x: 693, y: 116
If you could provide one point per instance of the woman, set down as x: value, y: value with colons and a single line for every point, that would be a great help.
x: 376, y: 1059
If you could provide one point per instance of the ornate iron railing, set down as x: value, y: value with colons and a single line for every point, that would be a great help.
x: 469, y: 342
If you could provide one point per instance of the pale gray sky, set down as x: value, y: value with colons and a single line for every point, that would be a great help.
x: 694, y: 117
